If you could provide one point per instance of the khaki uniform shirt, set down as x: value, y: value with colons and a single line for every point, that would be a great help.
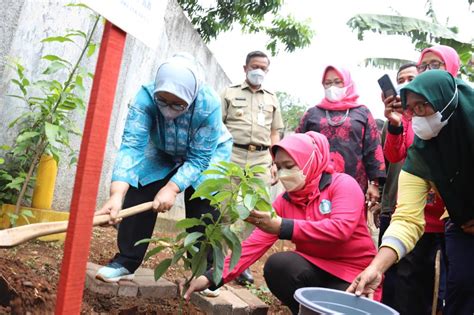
x: 250, y: 117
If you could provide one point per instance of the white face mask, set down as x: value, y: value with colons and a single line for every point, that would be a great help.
x: 401, y: 86
x: 293, y: 179
x: 335, y: 93
x: 428, y: 127
x: 256, y: 76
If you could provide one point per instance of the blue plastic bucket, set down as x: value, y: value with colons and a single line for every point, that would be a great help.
x: 329, y: 301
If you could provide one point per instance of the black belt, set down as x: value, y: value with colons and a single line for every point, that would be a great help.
x: 251, y: 147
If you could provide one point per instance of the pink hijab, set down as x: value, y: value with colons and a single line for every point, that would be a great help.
x: 449, y: 56
x: 350, y: 100
x: 300, y: 147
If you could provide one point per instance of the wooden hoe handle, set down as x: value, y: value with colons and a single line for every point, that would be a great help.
x: 15, y: 236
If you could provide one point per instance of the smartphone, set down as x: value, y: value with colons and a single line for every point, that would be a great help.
x: 387, y: 86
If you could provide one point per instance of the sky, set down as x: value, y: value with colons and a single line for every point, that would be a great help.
x: 300, y: 73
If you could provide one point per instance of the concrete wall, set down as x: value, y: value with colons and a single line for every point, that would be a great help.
x: 35, y: 20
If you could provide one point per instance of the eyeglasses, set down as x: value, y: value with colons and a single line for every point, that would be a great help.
x: 417, y: 110
x: 177, y: 107
x: 336, y: 82
x: 431, y: 65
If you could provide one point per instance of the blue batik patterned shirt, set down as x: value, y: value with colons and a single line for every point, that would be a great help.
x: 152, y: 147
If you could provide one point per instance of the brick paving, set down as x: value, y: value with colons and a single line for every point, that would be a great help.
x: 231, y: 301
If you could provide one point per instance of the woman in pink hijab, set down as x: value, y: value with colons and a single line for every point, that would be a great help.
x: 321, y: 212
x: 439, y: 57
x: 351, y: 130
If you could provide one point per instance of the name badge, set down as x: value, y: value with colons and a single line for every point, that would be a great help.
x: 325, y: 206
x: 261, y: 119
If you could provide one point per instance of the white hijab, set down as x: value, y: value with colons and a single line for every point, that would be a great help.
x: 179, y: 76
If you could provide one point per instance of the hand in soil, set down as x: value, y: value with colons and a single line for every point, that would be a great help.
x: 198, y: 284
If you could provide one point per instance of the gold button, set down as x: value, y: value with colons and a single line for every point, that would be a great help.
x: 239, y: 112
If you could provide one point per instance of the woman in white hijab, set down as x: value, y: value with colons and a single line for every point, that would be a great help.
x: 173, y: 132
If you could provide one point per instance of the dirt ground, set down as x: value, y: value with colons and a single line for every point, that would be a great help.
x: 29, y: 275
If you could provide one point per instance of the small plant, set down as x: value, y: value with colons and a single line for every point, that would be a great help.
x: 234, y: 192
x: 262, y: 292
x: 13, y: 217
x: 45, y: 126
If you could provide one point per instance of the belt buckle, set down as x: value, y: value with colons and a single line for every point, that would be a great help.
x: 252, y: 148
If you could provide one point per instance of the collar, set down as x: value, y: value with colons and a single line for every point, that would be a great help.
x: 245, y: 85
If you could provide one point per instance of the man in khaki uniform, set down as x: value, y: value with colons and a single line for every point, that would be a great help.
x: 252, y: 115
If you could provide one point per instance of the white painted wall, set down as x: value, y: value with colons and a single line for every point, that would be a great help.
x: 22, y: 26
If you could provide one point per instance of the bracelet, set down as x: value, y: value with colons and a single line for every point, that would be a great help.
x: 374, y: 183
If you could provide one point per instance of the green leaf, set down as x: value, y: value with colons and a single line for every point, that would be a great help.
x: 242, y: 211
x: 153, y: 252
x: 2, y: 161
x: 81, y: 5
x: 73, y: 161
x: 199, y: 261
x: 187, y: 223
x: 221, y: 196
x: 258, y: 169
x: 161, y: 268
x: 54, y: 67
x: 192, y: 238
x: 16, y: 96
x: 60, y: 39
x: 72, y: 33
x: 177, y: 256
x: 210, y: 186
x: 25, y: 82
x: 181, y: 235
x: 249, y: 201
x: 56, y: 58
x: 218, y: 262
x: 234, y: 244
x: 91, y: 49
x: 27, y: 213
x: 214, y: 172
x: 144, y: 241
x: 20, y: 85
x: 263, y: 205
x: 26, y: 136
x: 51, y: 132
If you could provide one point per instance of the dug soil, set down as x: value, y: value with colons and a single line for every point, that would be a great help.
x: 29, y: 275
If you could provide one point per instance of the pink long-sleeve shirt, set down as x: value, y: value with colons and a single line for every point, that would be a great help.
x: 337, y: 241
x: 395, y: 150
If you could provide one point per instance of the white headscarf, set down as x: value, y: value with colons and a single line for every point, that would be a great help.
x: 179, y: 76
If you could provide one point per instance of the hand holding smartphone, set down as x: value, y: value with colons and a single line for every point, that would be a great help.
x: 387, y: 86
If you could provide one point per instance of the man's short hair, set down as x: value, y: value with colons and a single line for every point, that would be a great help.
x: 405, y: 66
x: 256, y: 53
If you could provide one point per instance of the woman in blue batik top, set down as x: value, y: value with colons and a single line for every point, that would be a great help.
x: 173, y: 132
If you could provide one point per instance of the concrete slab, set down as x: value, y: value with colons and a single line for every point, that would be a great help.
x: 212, y: 305
x: 256, y: 306
x: 148, y: 287
x: 127, y: 288
x: 98, y: 286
